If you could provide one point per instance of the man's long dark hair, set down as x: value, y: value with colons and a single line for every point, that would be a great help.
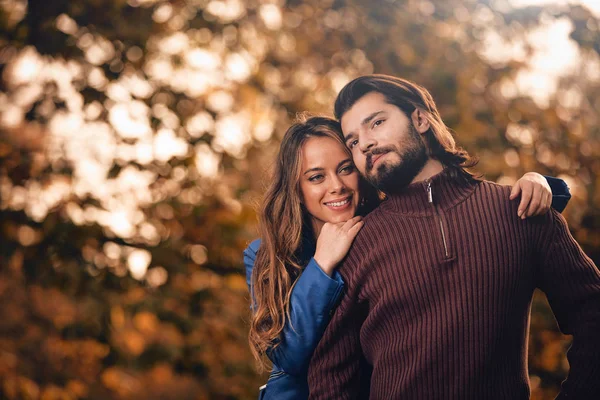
x: 408, y: 96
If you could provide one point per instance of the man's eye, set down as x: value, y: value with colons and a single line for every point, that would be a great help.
x: 377, y: 123
x: 352, y: 143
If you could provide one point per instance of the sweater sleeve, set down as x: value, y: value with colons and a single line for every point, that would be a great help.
x: 336, y: 370
x: 571, y: 282
x: 313, y: 298
x: 560, y: 193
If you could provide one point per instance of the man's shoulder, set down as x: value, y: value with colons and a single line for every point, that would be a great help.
x: 373, y: 222
x: 371, y: 232
x: 493, y: 189
x: 489, y: 195
x: 495, y: 185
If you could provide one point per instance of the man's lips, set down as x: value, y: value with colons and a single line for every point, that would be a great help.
x: 373, y: 157
x: 377, y: 157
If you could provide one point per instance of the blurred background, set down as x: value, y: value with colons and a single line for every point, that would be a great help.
x: 135, y: 138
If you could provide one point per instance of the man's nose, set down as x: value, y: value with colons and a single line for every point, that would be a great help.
x: 366, y: 142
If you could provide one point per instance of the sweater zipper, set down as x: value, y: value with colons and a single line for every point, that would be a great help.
x: 430, y: 199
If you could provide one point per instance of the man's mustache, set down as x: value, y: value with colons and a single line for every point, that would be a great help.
x: 374, y: 152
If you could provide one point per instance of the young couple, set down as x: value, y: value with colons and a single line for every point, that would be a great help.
x: 434, y: 294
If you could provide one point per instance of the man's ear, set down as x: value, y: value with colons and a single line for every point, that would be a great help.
x: 420, y: 121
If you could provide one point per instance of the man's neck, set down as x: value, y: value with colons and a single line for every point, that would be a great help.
x: 432, y: 167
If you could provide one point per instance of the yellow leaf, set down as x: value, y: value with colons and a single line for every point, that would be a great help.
x: 146, y: 322
x: 236, y: 282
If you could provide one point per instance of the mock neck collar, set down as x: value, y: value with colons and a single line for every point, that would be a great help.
x: 446, y: 191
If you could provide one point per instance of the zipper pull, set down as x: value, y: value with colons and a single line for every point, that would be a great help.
x: 429, y: 193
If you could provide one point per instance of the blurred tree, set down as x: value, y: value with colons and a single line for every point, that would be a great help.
x: 134, y: 138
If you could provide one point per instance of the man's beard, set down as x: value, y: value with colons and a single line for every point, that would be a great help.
x: 393, y: 178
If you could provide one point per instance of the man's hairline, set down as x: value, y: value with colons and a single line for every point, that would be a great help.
x: 373, y: 90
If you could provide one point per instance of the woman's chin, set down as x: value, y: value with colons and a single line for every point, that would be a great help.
x: 342, y: 217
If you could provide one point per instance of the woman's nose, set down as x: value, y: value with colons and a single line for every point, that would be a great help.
x: 337, y: 185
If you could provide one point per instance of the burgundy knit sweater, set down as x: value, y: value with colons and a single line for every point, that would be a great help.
x: 439, y: 288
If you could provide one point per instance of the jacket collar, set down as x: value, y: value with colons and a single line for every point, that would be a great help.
x: 441, y: 191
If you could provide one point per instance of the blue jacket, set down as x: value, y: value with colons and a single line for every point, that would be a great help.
x: 313, y: 299
x: 312, y: 303
x: 560, y: 193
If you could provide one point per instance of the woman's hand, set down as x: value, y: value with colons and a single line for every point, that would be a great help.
x: 334, y: 242
x: 536, y: 196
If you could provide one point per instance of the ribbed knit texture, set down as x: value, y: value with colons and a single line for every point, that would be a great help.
x: 446, y: 315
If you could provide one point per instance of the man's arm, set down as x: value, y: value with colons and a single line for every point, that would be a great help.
x: 313, y: 297
x: 571, y: 282
x: 336, y: 369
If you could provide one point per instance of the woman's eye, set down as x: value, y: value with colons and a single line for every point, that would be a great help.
x: 315, y: 178
x: 347, y: 169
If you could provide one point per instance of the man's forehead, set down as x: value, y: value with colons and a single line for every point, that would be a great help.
x: 364, y: 108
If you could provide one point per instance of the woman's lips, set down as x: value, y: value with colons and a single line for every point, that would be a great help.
x: 339, y: 205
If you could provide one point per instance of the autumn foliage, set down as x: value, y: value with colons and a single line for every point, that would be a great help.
x: 134, y: 140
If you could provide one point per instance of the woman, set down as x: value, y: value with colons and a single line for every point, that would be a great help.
x: 311, y: 213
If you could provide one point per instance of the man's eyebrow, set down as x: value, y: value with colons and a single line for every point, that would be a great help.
x: 364, y: 122
x: 349, y: 136
x: 370, y: 117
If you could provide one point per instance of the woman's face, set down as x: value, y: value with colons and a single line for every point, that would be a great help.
x: 328, y: 182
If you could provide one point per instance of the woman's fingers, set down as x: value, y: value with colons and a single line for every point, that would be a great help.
x: 535, y: 203
x: 526, y: 193
x: 353, y: 231
x: 544, y: 204
x: 351, y: 222
x: 516, y: 190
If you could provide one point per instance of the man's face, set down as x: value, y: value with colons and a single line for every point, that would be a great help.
x: 387, y: 149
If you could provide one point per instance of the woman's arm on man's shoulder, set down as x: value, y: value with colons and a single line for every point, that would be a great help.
x: 560, y: 193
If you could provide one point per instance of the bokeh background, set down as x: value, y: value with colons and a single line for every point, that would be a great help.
x: 135, y: 136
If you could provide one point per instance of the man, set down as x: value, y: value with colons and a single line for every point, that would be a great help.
x: 441, y: 277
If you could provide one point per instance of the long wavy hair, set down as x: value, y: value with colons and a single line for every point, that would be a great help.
x: 284, y: 229
x: 408, y: 96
